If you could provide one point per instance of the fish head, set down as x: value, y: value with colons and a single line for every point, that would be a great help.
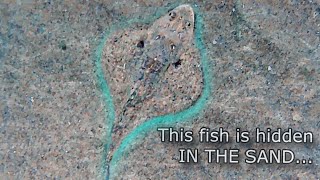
x: 175, y: 30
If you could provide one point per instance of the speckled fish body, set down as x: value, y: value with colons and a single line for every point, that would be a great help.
x: 152, y: 70
x: 164, y: 44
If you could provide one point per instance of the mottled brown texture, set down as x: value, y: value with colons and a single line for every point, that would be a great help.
x: 53, y: 119
x: 264, y: 77
x: 170, y: 64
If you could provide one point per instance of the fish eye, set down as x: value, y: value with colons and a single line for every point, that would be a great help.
x: 140, y: 44
x: 172, y: 15
x: 172, y: 46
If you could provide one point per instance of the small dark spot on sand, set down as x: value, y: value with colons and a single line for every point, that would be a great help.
x: 177, y: 64
x: 63, y: 45
x: 140, y: 44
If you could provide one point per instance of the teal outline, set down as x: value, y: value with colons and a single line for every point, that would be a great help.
x: 168, y: 119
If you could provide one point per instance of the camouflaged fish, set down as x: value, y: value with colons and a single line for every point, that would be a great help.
x: 152, y: 70
x: 163, y: 45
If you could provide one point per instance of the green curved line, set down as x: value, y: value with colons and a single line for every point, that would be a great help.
x: 107, y: 97
x: 145, y: 127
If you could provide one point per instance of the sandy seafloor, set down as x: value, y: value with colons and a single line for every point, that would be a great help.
x: 265, y: 62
